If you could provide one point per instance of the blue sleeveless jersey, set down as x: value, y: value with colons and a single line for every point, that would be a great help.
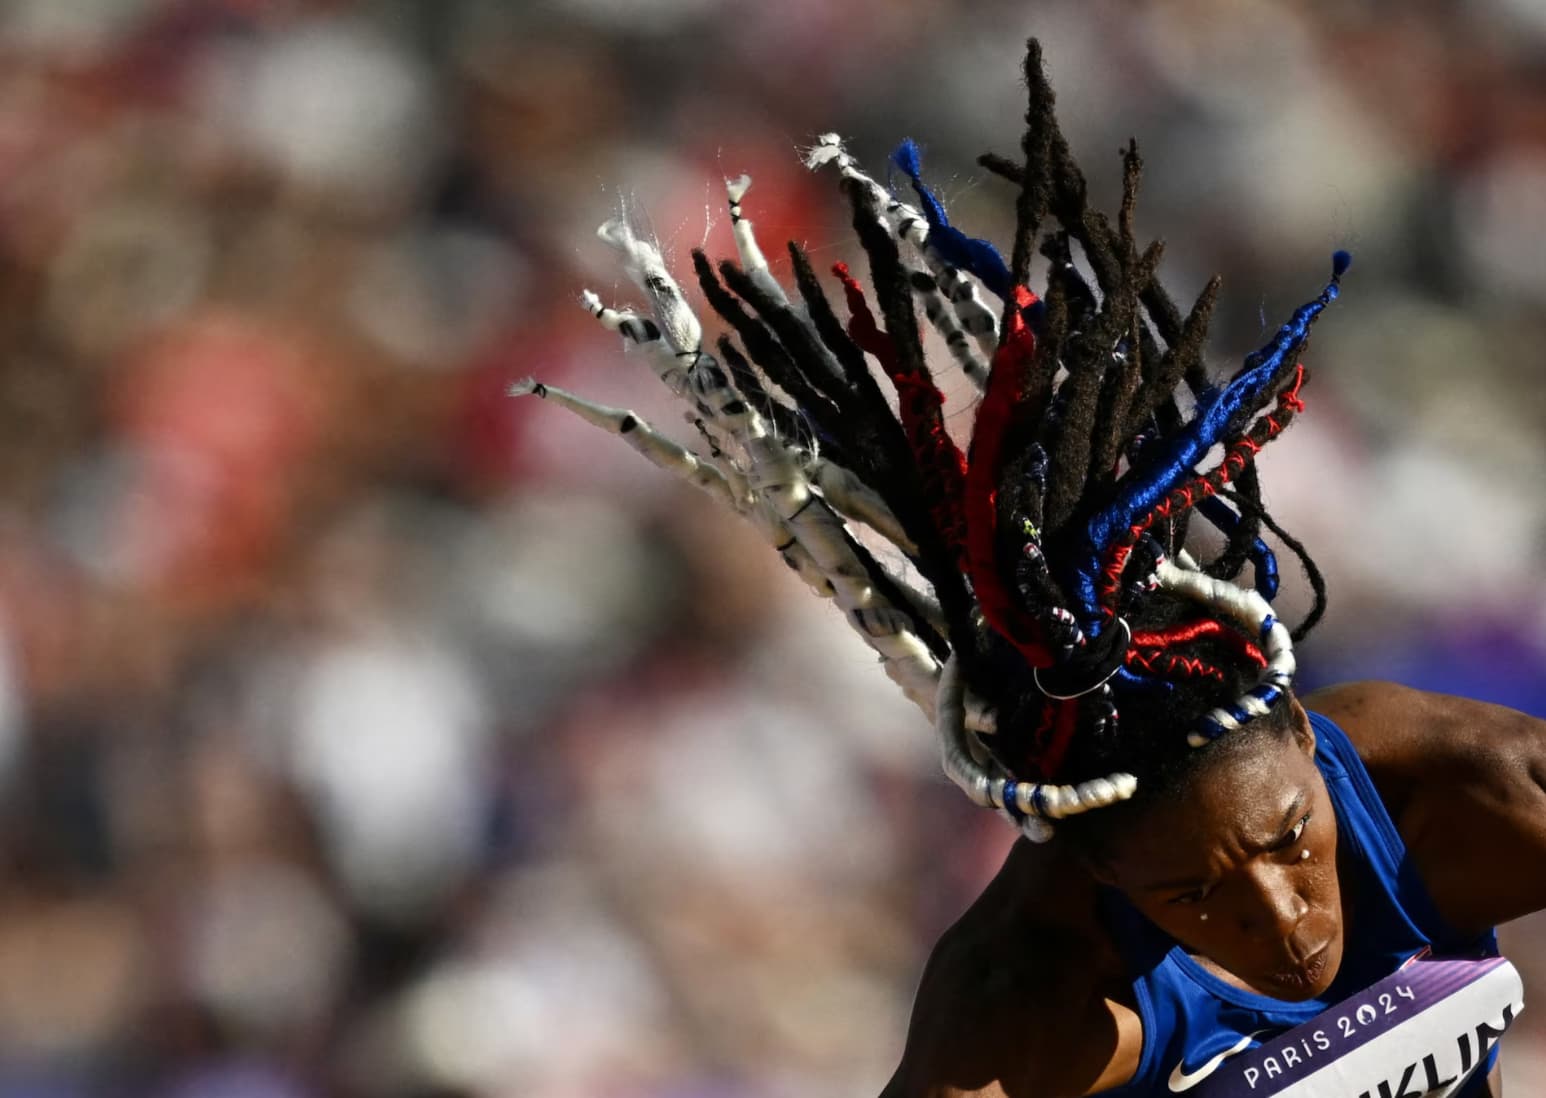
x: 1192, y: 1019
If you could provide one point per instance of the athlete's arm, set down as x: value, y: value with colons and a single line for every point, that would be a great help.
x: 1465, y: 782
x: 992, y: 1027
x: 1020, y: 1002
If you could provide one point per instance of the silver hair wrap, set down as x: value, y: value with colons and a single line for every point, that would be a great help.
x: 1028, y: 805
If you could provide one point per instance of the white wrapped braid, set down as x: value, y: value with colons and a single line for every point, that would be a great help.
x: 668, y: 366
x: 838, y: 485
x: 645, y: 334
x: 771, y: 485
x: 1253, y: 612
x: 943, y: 319
x: 855, y: 499
x: 909, y: 225
x: 753, y: 262
x: 844, y: 491
x: 745, y: 235
x: 725, y: 485
x: 1028, y: 805
x: 945, y: 282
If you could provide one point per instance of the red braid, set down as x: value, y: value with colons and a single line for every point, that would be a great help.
x: 1048, y: 744
x: 1177, y: 635
x: 1171, y: 665
x: 1049, y: 759
x: 1011, y: 362
x: 942, y: 464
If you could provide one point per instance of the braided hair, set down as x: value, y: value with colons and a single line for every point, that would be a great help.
x: 1069, y: 649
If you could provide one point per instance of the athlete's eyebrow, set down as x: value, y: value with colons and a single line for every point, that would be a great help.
x: 1187, y: 885
x: 1290, y: 817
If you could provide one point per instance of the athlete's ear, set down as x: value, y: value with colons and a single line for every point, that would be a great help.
x: 1102, y: 873
x: 1099, y: 867
x: 1304, y: 732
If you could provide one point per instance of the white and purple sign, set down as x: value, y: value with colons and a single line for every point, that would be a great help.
x: 1421, y: 1032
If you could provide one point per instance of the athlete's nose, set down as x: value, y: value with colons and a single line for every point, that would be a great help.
x: 1274, y: 908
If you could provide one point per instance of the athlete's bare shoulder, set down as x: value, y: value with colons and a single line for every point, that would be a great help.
x: 1024, y: 996
x: 1465, y: 782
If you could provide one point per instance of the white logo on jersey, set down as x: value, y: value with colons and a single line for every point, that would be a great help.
x: 1181, y: 1079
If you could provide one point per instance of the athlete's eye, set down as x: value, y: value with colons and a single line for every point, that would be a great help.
x: 1196, y: 896
x: 1294, y: 833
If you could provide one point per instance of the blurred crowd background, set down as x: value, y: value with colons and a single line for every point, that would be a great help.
x: 364, y: 732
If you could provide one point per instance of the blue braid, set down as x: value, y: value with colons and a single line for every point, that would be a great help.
x: 977, y: 257
x: 1134, y: 680
x: 1245, y: 391
x: 1263, y: 561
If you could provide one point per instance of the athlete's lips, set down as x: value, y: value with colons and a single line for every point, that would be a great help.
x: 1305, y: 956
x: 1306, y: 972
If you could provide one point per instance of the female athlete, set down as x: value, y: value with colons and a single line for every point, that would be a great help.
x: 1222, y: 888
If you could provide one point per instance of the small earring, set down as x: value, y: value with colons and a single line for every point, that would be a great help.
x: 1304, y: 855
x: 1203, y: 916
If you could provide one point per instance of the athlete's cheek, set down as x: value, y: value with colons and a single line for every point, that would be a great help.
x: 1318, y: 866
x: 1319, y: 887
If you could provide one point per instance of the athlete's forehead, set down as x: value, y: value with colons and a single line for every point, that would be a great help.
x: 1236, y: 807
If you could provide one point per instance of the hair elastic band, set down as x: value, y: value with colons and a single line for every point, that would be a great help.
x: 1076, y: 678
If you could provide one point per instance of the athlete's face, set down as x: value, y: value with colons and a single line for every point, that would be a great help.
x: 1242, y: 870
